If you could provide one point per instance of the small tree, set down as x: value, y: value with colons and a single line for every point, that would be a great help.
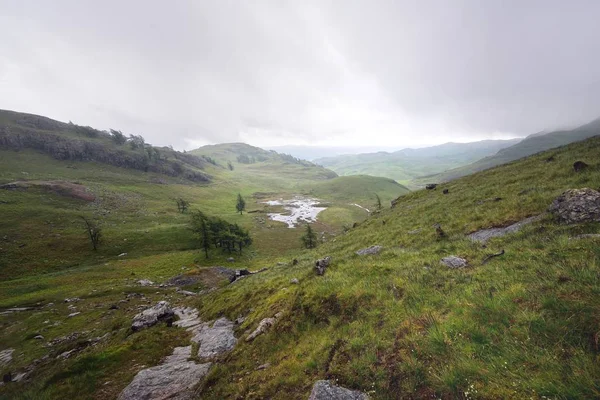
x: 309, y: 240
x: 182, y: 205
x: 241, y: 204
x: 94, y: 232
x: 377, y: 202
x: 230, y: 165
x: 118, y: 137
x: 200, y: 226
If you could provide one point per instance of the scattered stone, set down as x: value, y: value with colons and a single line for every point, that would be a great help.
x: 454, y: 262
x: 446, y: 191
x: 214, y: 340
x: 587, y: 236
x: 370, y: 250
x: 38, y: 337
x: 72, y: 300
x: 325, y: 390
x: 122, y: 255
x: 6, y: 356
x: 322, y: 264
x: 579, y: 166
x: 186, y: 292
x: 73, y: 314
x: 577, y: 205
x: 280, y: 264
x: 484, y: 235
x: 295, y: 281
x: 149, y: 317
x: 431, y: 186
x: 263, y: 326
x: 63, y: 339
x: 168, y: 381
x: 231, y: 259
x: 113, y: 307
x: 414, y: 232
x: 145, y: 282
x: 263, y: 366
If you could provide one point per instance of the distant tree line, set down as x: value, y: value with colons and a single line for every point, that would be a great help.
x: 140, y: 155
x: 214, y: 231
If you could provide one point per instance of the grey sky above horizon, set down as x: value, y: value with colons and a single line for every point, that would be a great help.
x: 329, y: 73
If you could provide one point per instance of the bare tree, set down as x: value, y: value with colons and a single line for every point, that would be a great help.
x: 94, y: 232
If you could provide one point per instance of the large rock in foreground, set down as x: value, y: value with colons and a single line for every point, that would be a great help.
x: 325, y: 390
x: 214, y: 340
x: 168, y: 381
x: 159, y: 312
x: 577, y: 205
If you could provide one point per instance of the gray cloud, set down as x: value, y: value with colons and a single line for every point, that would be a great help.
x: 382, y: 73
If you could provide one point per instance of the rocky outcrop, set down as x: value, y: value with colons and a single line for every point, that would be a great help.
x: 263, y: 326
x: 151, y: 316
x: 325, y: 390
x: 321, y: 265
x: 172, y: 380
x: 216, y: 339
x: 454, y: 262
x: 577, y: 205
x: 484, y: 235
x: 6, y: 356
x: 370, y: 250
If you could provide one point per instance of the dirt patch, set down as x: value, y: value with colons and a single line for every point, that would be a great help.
x: 62, y: 188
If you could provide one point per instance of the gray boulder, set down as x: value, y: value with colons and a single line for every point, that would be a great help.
x: 370, y: 250
x: 484, y: 235
x: 325, y: 390
x: 216, y: 339
x: 577, y: 205
x: 454, y: 262
x: 6, y: 356
x: 168, y: 381
x: 151, y: 316
x: 322, y: 264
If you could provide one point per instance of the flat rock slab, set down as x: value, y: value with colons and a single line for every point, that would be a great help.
x: 168, y: 381
x: 6, y: 356
x: 370, y: 250
x: 486, y: 234
x: 216, y: 339
x: 454, y: 262
x: 188, y: 317
x: 161, y: 311
x: 325, y: 390
x: 180, y: 354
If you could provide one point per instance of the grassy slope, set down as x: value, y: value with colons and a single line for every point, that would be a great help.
x: 397, y: 324
x: 531, y: 145
x: 405, y: 165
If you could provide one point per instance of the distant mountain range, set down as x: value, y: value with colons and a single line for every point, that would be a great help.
x: 408, y: 164
x: 532, y: 144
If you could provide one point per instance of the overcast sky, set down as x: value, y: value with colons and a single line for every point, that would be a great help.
x: 353, y: 73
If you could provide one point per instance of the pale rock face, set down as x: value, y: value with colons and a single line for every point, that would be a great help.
x: 174, y: 380
x: 577, y: 205
x: 325, y: 390
x: 149, y: 317
x: 454, y: 262
x: 370, y: 250
x: 214, y: 340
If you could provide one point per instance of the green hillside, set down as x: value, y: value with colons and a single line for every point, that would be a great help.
x: 530, y: 145
x: 405, y: 165
x: 397, y: 324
